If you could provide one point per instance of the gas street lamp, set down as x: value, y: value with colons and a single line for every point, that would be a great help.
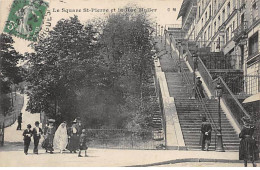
x: 161, y: 33
x: 156, y: 30
x: 195, y: 65
x: 159, y: 29
x: 170, y: 43
x: 165, y: 32
x: 220, y: 147
x: 179, y: 47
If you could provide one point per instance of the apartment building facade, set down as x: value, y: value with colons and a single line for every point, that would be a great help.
x: 230, y: 26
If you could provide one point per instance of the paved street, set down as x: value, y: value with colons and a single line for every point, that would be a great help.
x: 14, y: 156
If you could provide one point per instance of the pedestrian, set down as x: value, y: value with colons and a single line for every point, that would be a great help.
x: 205, y: 137
x: 83, y: 143
x: 199, y: 88
x: 49, y: 132
x: 27, y: 134
x: 60, y: 140
x: 19, y: 120
x: 248, y: 150
x: 74, y: 138
x: 79, y: 125
x: 37, y: 132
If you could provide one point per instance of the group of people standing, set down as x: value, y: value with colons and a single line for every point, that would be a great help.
x: 72, y: 138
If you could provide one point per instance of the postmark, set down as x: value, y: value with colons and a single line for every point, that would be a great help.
x: 25, y: 18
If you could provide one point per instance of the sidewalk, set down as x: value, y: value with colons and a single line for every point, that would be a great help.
x: 14, y: 156
x: 13, y: 135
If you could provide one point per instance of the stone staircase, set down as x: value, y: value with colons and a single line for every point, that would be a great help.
x: 190, y: 111
x: 190, y: 114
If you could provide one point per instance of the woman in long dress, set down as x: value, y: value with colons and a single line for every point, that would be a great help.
x: 74, y: 138
x: 60, y: 140
x: 248, y: 150
x: 48, y: 136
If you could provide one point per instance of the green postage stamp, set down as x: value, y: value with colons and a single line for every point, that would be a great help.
x: 25, y: 18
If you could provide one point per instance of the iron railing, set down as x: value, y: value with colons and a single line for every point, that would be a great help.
x: 200, y: 100
x: 252, y: 84
x: 230, y: 100
x: 124, y: 139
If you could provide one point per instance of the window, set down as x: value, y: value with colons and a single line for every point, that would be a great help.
x: 206, y: 16
x: 253, y: 45
x: 219, y: 21
x: 202, y: 22
x: 234, y: 4
x: 199, y: 11
x: 223, y: 16
x: 205, y: 36
x: 232, y: 34
x: 254, y: 12
x: 215, y: 7
x: 209, y: 33
x: 209, y: 11
x: 227, y: 34
x: 215, y: 27
x: 228, y: 9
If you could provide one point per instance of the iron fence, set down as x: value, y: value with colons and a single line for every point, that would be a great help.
x: 252, y: 84
x: 125, y: 139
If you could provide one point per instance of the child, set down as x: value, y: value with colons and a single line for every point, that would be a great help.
x: 83, y: 143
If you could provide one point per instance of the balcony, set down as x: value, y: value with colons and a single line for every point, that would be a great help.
x: 240, y: 32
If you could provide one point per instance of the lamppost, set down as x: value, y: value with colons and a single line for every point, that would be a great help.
x: 156, y: 30
x: 220, y: 147
x: 195, y: 65
x: 161, y: 33
x: 165, y: 32
x: 170, y: 43
x: 179, y: 46
x: 159, y: 29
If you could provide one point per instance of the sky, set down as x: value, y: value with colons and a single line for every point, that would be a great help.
x: 161, y: 11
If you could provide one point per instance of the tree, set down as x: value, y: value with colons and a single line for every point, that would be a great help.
x: 127, y: 50
x: 10, y: 73
x: 63, y: 63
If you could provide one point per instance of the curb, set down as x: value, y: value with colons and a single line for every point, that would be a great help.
x: 190, y: 160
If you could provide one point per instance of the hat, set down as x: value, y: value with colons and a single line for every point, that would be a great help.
x: 74, y: 121
x: 247, y: 120
x: 37, y: 122
x: 51, y: 120
x: 29, y: 126
x: 197, y: 77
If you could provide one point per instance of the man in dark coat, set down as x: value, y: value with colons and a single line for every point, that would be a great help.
x: 19, y: 120
x: 27, y: 134
x: 37, y: 132
x: 199, y: 88
x: 205, y: 134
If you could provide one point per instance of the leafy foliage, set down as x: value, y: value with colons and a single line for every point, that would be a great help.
x: 95, y: 71
x: 10, y: 73
x: 63, y: 63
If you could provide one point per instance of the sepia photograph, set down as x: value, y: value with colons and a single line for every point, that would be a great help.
x: 129, y: 83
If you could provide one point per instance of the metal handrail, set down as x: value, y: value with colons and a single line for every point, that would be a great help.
x: 230, y: 93
x: 200, y: 99
x: 210, y: 84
